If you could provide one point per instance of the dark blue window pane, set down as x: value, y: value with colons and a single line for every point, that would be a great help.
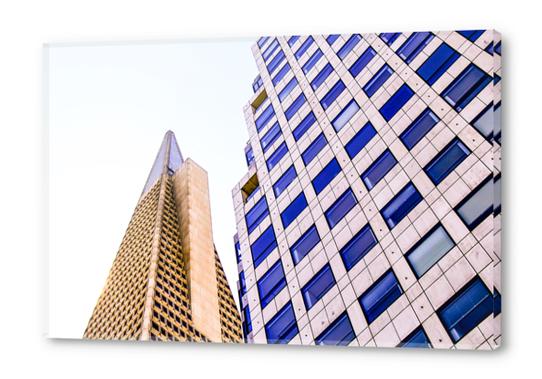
x: 358, y: 247
x: 292, y: 40
x: 489, y: 48
x: 249, y: 155
x: 362, y: 61
x: 303, y: 126
x: 348, y: 46
x: 293, y: 210
x: 471, y: 35
x: 496, y: 302
x: 270, y: 49
x: 264, y: 118
x: 478, y: 204
x: 271, y: 136
x: 282, y: 327
x: 317, y: 287
x: 284, y: 181
x: 417, y: 338
x: 419, y: 128
x: 332, y: 38
x: 262, y: 41
x: 247, y: 322
x: 322, y: 76
x: 277, y: 155
x: 282, y: 72
x: 242, y: 283
x: 396, y: 102
x: 304, y: 47
x: 377, y: 80
x: 398, y: 207
x: 389, y: 38
x: 263, y: 246
x: 446, y: 161
x: 378, y: 169
x: 380, y: 296
x: 332, y: 94
x: 312, y: 61
x: 256, y: 214
x: 325, y: 176
x: 465, y: 87
x: 497, y: 48
x: 275, y: 62
x: 304, y: 244
x: 238, y: 251
x: 258, y: 82
x: 437, y: 64
x: 413, y: 45
x: 292, y: 109
x: 339, y: 332
x: 360, y: 140
x: 469, y: 307
x: 345, y: 115
x: 287, y: 89
x: 340, y: 208
x: 314, y: 148
x: 271, y: 283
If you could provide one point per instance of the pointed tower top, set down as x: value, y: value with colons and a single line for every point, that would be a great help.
x: 168, y: 160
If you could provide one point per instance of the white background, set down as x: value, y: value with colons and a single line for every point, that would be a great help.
x: 25, y: 26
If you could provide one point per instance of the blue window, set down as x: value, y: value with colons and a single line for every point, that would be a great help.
x: 380, y: 296
x: 325, y: 176
x: 322, y: 76
x: 313, y: 149
x: 378, y: 169
x: 413, y: 45
x: 469, y: 307
x: 362, y: 61
x: 262, y: 41
x: 263, y: 246
x: 312, y: 60
x: 496, y: 302
x: 396, y: 102
x: 304, y: 244
x: 292, y: 40
x: 294, y: 107
x: 264, y: 117
x: 478, y: 205
x: 471, y: 35
x: 303, y: 126
x: 257, y: 83
x: 348, y: 46
x: 304, y: 47
x: 497, y: 48
x: 378, y: 80
x: 345, y: 115
x: 446, y: 161
x: 293, y: 210
x: 465, y: 87
x: 249, y: 155
x: 332, y: 94
x: 275, y: 62
x: 429, y: 250
x: 242, y: 284
x: 237, y: 250
x: 339, y: 332
x: 284, y: 181
x: 281, y: 74
x: 247, y: 322
x: 287, y: 89
x: 398, y: 207
x: 271, y: 283
x: 277, y: 155
x: 419, y: 128
x: 256, y: 214
x: 389, y: 38
x: 270, y: 49
x: 282, y: 327
x: 360, y: 140
x: 437, y: 64
x: 318, y: 286
x: 340, y: 208
x: 271, y: 136
x: 417, y: 338
x: 332, y: 38
x: 484, y: 122
x: 355, y: 249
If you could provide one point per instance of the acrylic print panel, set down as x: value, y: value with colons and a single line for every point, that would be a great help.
x: 368, y: 211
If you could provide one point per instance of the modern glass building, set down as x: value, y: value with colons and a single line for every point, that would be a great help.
x: 370, y: 212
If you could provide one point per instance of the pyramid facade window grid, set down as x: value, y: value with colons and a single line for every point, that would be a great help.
x: 437, y: 91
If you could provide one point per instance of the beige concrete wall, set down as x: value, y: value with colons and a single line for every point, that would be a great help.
x: 191, y: 189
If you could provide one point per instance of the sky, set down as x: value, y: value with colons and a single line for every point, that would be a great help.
x: 108, y: 108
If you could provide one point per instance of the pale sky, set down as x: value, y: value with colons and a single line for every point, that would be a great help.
x: 109, y: 107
